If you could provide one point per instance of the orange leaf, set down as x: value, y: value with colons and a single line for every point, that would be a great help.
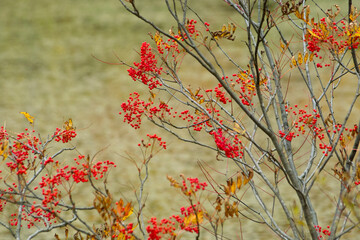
x: 247, y: 179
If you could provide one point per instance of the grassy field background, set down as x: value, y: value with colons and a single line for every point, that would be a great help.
x: 48, y: 69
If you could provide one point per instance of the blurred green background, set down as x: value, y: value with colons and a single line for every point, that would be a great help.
x: 48, y: 52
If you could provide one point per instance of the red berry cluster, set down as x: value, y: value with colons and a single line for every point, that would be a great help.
x: 65, y: 135
x: 229, y: 146
x: 327, y: 34
x: 2, y: 202
x: 146, y: 71
x: 166, y: 48
x: 326, y: 231
x: 189, y: 222
x: 221, y: 95
x: 190, y: 217
x: 305, y: 122
x: 288, y: 136
x: 99, y: 169
x: 133, y: 109
x: 161, y: 111
x: 20, y: 152
x: 125, y: 232
x: 191, y: 29
x: 155, y: 138
x: 194, y: 186
x: 25, y: 156
x: 168, y: 227
x: 156, y: 230
x: 244, y: 84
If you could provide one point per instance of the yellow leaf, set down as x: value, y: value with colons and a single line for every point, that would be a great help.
x: 282, y: 46
x: 28, y: 117
x: 351, y: 17
x: 233, y: 27
x: 191, y: 219
x: 68, y: 125
x: 296, y: 209
x: 173, y: 182
x: 298, y: 14
x: 313, y: 34
x: 311, y: 57
x: 157, y: 38
x: 300, y: 58
x: 306, y: 57
x: 231, y: 209
x: 226, y: 190
x: 342, y: 142
x: 235, y: 208
x: 197, y: 112
x: 357, y: 34
x: 307, y: 13
x: 3, y: 147
x: 293, y: 61
x: 237, y: 129
x: 197, y: 91
x: 231, y: 187
x: 247, y: 179
x: 239, y: 182
x: 153, y: 95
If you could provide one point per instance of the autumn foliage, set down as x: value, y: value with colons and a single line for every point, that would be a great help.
x: 249, y: 115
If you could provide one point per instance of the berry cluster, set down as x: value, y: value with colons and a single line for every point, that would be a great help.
x: 230, y: 147
x: 146, y: 71
x: 133, y: 109
x: 188, y: 222
x: 327, y: 34
x: 64, y: 135
x: 39, y: 177
x: 326, y: 232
